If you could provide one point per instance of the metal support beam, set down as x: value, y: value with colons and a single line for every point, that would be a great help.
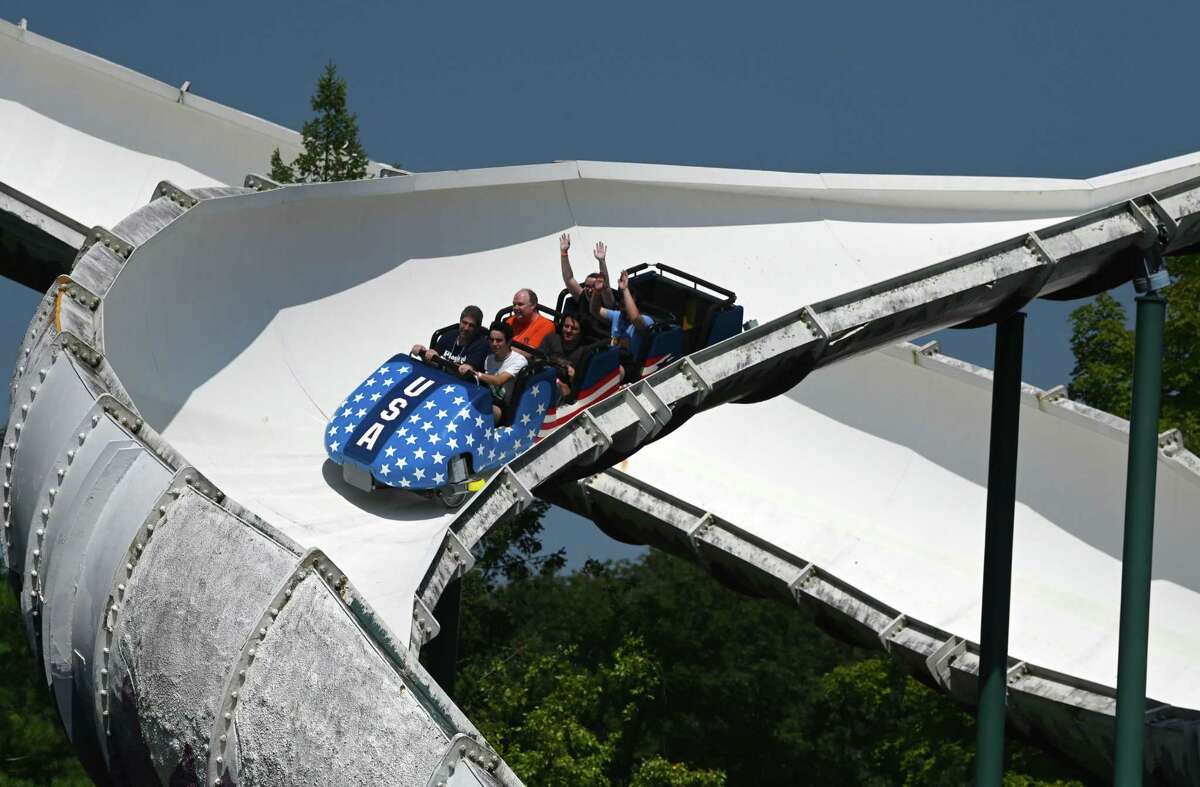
x: 441, y: 654
x: 1139, y: 539
x: 997, y: 551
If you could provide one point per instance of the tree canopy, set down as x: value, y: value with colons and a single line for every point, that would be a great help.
x: 331, y: 147
x: 652, y: 673
x: 1103, y: 348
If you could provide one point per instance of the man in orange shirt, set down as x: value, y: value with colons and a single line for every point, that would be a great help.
x: 528, y: 327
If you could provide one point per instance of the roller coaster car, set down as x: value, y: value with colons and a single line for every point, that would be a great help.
x: 689, y: 314
x: 421, y: 426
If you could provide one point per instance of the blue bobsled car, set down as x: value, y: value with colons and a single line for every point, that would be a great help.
x: 420, y: 426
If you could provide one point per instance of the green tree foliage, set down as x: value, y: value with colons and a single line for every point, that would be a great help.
x: 33, y: 749
x: 652, y: 673
x: 331, y: 147
x: 1103, y: 348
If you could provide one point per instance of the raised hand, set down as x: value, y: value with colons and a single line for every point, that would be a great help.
x: 623, y: 282
x: 601, y: 251
x: 564, y: 243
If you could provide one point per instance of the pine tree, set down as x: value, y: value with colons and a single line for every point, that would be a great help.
x: 331, y: 147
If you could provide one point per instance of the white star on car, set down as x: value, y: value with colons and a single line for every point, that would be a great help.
x: 371, y: 381
x: 541, y: 408
x: 419, y: 453
x: 459, y: 400
x: 429, y: 405
x: 433, y: 438
x: 361, y: 413
x: 470, y: 439
x: 387, y: 381
x: 414, y: 419
x: 346, y: 412
x: 375, y: 397
x: 383, y: 370
x: 438, y: 458
x: 441, y: 414
x: 448, y: 389
x: 334, y: 446
x: 438, y: 478
x: 358, y: 397
x: 384, y: 470
x: 401, y: 463
x: 349, y: 428
x: 410, y: 439
x: 452, y: 444
x: 332, y: 431
x: 479, y: 420
x: 419, y: 473
x: 402, y: 370
x: 451, y: 427
x: 390, y: 451
x: 404, y: 482
x: 525, y: 419
x: 425, y: 427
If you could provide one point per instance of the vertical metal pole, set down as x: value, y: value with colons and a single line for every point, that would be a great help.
x: 1139, y: 539
x: 997, y: 551
x: 442, y: 651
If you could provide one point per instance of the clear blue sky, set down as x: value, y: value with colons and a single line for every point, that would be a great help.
x: 1062, y: 89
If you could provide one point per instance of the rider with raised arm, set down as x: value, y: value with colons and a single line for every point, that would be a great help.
x: 469, y: 345
x: 594, y: 287
x: 499, y: 368
x: 627, y: 325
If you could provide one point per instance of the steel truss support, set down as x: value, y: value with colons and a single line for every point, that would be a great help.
x: 997, y: 551
x: 1138, y: 551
